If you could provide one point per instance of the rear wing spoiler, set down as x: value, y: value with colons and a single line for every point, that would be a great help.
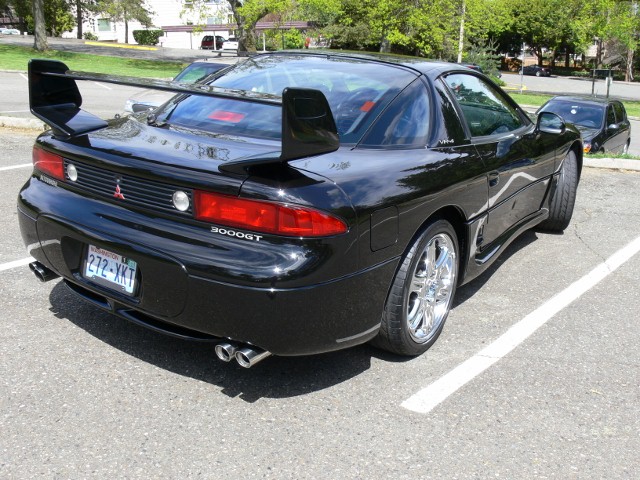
x: 308, y: 126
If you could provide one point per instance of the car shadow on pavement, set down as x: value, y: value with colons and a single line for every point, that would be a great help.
x: 275, y: 377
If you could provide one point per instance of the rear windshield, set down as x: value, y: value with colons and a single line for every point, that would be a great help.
x: 357, y: 91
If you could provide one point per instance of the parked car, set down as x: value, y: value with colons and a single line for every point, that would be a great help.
x: 207, y: 42
x: 149, y: 99
x: 230, y: 44
x: 603, y: 122
x: 301, y: 203
x: 9, y: 31
x: 536, y: 70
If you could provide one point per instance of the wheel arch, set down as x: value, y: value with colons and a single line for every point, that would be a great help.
x: 457, y: 219
x: 579, y: 152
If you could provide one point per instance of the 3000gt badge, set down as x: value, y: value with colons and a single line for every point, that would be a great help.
x: 233, y: 233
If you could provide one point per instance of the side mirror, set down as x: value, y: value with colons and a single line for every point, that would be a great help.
x: 550, y: 123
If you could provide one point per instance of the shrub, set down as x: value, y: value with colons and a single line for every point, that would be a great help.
x: 147, y: 37
x: 90, y: 36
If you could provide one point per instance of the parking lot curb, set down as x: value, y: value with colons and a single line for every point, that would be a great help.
x: 612, y: 163
x: 24, y: 123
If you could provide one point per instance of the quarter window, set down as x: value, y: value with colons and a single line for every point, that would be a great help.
x: 405, y: 123
x: 611, y: 116
x: 621, y: 115
x: 484, y: 108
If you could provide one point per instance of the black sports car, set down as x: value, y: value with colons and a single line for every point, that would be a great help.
x: 301, y: 203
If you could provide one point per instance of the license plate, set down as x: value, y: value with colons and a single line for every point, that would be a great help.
x: 110, y: 269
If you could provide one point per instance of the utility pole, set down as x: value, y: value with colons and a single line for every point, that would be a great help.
x: 461, y: 42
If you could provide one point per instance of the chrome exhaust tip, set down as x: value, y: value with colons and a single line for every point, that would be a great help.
x: 41, y: 272
x: 248, y: 357
x: 226, y: 351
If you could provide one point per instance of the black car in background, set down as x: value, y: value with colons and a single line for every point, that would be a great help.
x: 536, y: 70
x: 300, y: 203
x: 602, y: 122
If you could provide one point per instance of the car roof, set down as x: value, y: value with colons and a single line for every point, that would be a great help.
x: 430, y: 68
x: 581, y: 99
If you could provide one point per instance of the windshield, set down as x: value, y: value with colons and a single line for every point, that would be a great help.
x: 357, y: 91
x: 577, y: 113
x: 197, y: 71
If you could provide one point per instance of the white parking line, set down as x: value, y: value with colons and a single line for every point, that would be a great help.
x: 15, y: 264
x: 103, y: 86
x: 24, y: 76
x: 14, y: 167
x: 431, y: 396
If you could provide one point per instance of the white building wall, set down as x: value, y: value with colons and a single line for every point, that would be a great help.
x: 165, y: 13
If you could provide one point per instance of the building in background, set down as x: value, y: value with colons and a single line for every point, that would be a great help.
x: 181, y: 30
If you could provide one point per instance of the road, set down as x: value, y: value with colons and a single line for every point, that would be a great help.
x: 85, y: 394
x: 571, y: 86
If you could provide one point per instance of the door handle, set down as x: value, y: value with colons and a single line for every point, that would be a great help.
x: 494, y: 179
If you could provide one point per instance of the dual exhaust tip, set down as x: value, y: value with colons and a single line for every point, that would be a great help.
x: 246, y: 357
x: 42, y: 273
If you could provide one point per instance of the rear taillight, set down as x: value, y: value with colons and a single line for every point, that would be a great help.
x: 265, y: 217
x: 49, y: 163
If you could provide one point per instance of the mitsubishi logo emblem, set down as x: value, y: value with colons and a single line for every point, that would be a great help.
x: 118, y: 194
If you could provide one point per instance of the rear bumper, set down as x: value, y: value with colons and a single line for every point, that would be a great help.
x: 209, y: 291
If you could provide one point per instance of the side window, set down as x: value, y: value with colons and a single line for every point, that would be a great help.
x: 405, y: 123
x: 484, y: 108
x: 621, y: 115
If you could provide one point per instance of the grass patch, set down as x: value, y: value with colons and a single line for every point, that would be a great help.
x: 16, y: 58
x: 529, y: 98
x: 626, y: 156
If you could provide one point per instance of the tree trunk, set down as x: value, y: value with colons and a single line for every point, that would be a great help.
x: 538, y: 52
x: 126, y: 30
x: 79, y: 17
x: 628, y: 75
x: 40, y: 34
x: 385, y: 45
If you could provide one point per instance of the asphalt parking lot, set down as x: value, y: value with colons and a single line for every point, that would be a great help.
x: 536, y: 375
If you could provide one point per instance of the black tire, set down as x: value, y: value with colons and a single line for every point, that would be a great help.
x: 564, y: 196
x: 422, y: 292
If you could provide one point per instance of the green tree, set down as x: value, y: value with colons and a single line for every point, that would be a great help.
x: 56, y: 18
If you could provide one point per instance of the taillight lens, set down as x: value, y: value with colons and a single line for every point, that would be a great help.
x: 265, y: 217
x: 48, y: 163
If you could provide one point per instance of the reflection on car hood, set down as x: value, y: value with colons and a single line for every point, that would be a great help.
x: 587, y: 132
